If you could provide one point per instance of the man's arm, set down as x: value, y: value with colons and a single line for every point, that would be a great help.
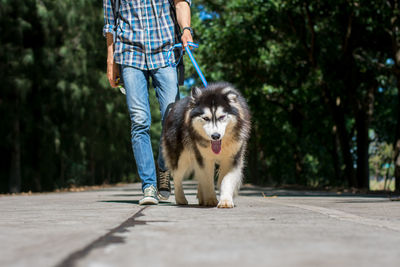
x: 108, y: 31
x: 183, y: 17
x: 112, y: 67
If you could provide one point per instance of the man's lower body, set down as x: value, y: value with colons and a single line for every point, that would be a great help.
x: 136, y: 83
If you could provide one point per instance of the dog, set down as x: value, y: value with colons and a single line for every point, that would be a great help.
x: 208, y: 128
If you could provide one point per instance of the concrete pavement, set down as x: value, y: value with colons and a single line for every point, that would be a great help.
x: 267, y: 228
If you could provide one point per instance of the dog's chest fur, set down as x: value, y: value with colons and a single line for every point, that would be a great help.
x: 200, y: 154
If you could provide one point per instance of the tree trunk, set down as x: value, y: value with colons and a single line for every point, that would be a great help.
x: 36, y: 138
x: 342, y: 134
x: 346, y: 153
x: 92, y: 171
x: 396, y: 56
x: 298, y: 160
x: 396, y: 144
x: 335, y: 158
x: 62, y: 170
x: 397, y: 166
x: 362, y: 126
x: 297, y: 122
x: 363, y: 121
x: 15, y: 171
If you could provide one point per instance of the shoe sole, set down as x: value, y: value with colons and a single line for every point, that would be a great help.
x: 148, y: 201
x: 163, y: 197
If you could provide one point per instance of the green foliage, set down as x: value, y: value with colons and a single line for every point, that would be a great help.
x: 74, y: 129
x: 309, y: 70
x: 381, y: 154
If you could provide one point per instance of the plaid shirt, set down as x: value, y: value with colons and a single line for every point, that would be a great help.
x: 145, y: 33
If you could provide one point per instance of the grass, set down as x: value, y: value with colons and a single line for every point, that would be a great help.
x: 375, y: 185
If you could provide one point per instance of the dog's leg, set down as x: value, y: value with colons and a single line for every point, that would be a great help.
x: 207, y: 190
x: 180, y: 198
x: 200, y: 196
x: 229, y: 180
x: 205, y: 176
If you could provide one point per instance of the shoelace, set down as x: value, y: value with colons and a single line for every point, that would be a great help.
x: 164, y: 179
x: 149, y: 191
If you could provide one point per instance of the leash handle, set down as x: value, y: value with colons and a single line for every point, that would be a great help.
x: 170, y: 51
x: 187, y: 49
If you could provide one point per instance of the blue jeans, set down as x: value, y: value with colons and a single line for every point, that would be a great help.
x: 136, y: 83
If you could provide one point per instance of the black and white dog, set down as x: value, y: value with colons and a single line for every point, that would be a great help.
x: 210, y: 127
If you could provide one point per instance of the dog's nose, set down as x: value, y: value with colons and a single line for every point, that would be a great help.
x: 215, y: 136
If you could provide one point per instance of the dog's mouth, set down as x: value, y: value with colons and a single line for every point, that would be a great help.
x: 216, y: 146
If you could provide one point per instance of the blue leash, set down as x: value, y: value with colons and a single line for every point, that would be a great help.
x: 196, y: 66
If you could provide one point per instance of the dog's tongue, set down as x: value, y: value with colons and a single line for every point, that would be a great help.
x: 216, y: 146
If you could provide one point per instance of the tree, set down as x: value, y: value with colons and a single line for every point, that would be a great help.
x: 310, y: 70
x: 63, y: 124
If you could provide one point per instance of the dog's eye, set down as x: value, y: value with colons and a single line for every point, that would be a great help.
x: 206, y: 118
x: 221, y: 118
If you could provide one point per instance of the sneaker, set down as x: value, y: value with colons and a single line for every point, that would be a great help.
x: 163, y: 184
x: 150, y: 196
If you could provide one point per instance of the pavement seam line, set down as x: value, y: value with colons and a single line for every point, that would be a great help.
x: 344, y: 216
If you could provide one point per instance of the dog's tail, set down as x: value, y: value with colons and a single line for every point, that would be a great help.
x: 167, y: 110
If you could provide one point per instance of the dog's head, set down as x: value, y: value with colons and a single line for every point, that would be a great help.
x: 215, y: 112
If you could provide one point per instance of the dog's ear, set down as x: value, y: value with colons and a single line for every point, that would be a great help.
x: 230, y: 94
x: 195, y: 93
x: 232, y: 97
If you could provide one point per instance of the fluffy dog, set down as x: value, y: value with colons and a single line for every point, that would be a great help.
x: 208, y: 128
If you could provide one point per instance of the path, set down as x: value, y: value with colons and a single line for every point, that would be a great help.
x: 267, y: 228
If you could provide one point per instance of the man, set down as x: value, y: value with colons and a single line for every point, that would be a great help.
x: 145, y: 32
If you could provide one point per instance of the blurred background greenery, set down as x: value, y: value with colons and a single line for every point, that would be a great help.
x: 322, y: 79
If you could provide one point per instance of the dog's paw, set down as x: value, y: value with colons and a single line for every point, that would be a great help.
x: 212, y: 202
x: 200, y: 199
x: 201, y: 202
x: 225, y: 204
x: 182, y: 201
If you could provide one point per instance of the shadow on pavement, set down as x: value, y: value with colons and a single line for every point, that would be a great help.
x: 162, y: 203
x: 121, y: 201
x: 136, y: 202
x: 105, y: 240
x: 250, y: 190
x: 191, y: 206
x: 128, y: 195
x: 141, y: 194
x: 278, y: 193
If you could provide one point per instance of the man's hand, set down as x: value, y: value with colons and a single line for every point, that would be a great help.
x: 112, y: 67
x: 186, y: 37
x: 112, y: 73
